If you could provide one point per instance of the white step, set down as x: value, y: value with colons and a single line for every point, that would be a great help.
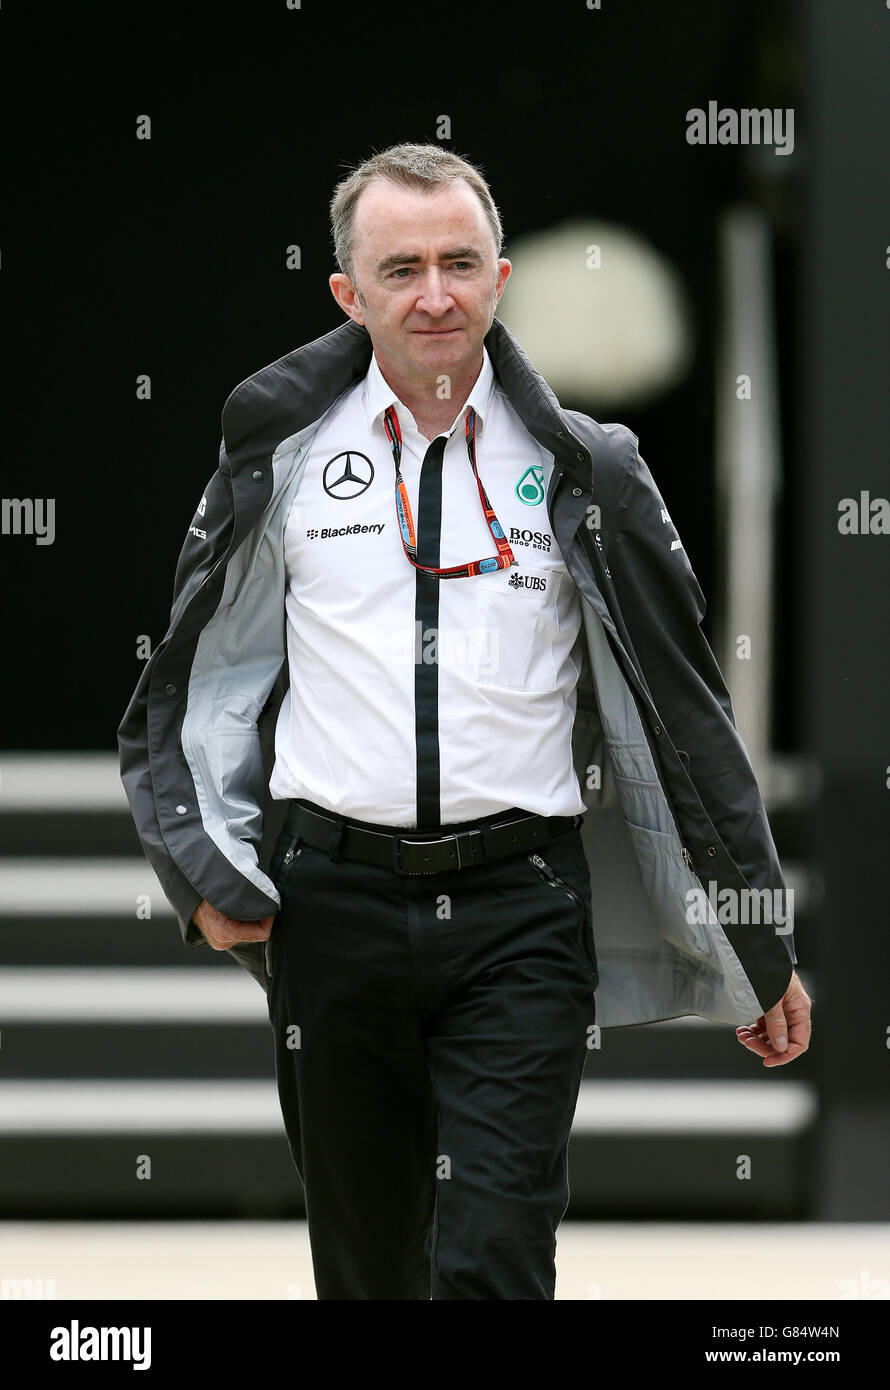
x: 227, y: 1107
x: 81, y: 887
x: 108, y: 994
x: 60, y: 782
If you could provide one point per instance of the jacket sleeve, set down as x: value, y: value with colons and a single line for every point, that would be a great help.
x: 136, y: 776
x: 194, y: 563
x: 663, y: 604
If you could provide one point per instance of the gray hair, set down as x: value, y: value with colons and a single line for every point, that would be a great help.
x: 422, y: 167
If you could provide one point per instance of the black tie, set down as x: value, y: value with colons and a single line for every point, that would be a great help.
x: 426, y: 614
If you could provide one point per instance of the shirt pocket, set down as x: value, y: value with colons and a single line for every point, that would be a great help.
x: 517, y: 621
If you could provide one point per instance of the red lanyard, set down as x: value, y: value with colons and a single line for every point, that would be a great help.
x: 504, y: 557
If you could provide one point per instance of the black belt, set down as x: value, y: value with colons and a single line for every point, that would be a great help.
x: 419, y: 852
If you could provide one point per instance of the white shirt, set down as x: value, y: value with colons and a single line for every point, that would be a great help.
x: 345, y: 736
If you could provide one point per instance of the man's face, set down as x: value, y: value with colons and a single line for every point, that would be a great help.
x: 427, y: 279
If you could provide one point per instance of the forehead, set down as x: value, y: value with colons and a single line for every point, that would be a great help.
x: 388, y: 215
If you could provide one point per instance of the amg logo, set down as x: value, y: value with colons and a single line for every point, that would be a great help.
x: 538, y: 540
x: 196, y: 531
x: 527, y: 581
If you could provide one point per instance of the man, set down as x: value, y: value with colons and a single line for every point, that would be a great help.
x: 425, y: 625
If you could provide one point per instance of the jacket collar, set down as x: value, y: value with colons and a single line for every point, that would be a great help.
x: 379, y: 395
x: 296, y: 390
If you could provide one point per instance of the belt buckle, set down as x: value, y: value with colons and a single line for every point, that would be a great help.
x: 397, y: 842
x: 438, y: 840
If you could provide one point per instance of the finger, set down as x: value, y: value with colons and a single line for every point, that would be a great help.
x: 779, y: 1059
x: 755, y: 1041
x: 801, y: 1025
x: 799, y: 1034
x: 235, y: 932
x: 758, y: 1039
x: 251, y: 931
x: 746, y: 1027
x: 222, y: 941
x: 264, y: 926
x: 777, y: 1027
x: 758, y: 1042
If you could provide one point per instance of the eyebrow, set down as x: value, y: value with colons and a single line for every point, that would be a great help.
x: 399, y: 258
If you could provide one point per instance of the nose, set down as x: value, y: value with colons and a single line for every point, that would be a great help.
x: 435, y: 298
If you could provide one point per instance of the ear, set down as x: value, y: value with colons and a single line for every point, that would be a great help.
x: 504, y: 268
x: 344, y: 292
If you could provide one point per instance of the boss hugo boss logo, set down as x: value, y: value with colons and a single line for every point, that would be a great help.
x: 347, y: 475
x: 538, y: 540
x: 326, y: 532
x: 527, y: 581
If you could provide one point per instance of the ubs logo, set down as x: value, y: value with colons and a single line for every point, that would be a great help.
x: 527, y: 581
x: 347, y: 475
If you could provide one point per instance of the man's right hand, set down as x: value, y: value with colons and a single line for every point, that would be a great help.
x: 223, y: 932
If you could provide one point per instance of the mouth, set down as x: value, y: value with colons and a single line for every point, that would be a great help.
x: 435, y: 332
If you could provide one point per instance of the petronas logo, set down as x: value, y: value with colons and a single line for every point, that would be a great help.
x: 530, y: 488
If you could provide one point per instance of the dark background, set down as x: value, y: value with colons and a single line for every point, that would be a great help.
x: 167, y: 257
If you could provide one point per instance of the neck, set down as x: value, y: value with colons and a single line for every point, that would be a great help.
x: 420, y: 394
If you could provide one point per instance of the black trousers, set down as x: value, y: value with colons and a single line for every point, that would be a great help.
x: 430, y: 1036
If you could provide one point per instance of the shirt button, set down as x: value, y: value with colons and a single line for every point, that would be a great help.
x: 181, y: 810
x: 657, y: 729
x: 712, y: 850
x: 576, y: 492
x: 257, y: 475
x: 170, y: 689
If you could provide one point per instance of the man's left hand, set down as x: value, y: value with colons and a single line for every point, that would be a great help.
x: 783, y: 1032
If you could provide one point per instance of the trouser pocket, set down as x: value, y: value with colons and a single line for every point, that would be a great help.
x: 286, y: 853
x: 548, y: 875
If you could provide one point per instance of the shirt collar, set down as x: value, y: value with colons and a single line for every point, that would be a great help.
x: 379, y: 395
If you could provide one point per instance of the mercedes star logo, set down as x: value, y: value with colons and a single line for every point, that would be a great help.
x: 347, y: 475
